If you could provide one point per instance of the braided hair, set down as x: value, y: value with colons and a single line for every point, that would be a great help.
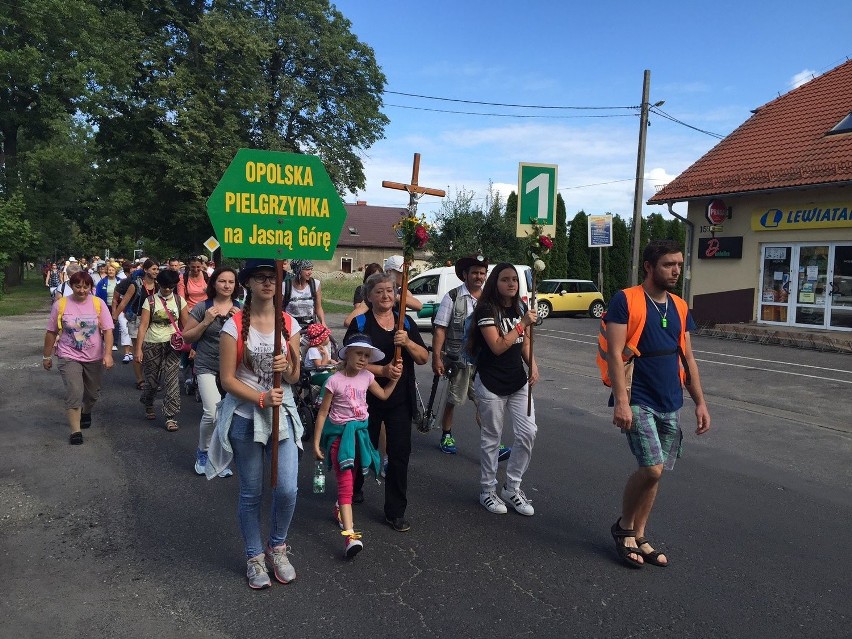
x: 244, y: 335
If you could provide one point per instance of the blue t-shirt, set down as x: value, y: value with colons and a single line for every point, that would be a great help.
x: 656, y: 380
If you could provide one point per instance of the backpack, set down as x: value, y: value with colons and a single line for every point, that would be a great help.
x: 186, y: 278
x: 134, y: 308
x: 636, y: 315
x: 361, y: 321
x: 288, y: 292
x: 63, y: 302
x: 238, y: 322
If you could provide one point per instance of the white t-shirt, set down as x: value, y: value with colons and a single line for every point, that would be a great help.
x: 261, y: 347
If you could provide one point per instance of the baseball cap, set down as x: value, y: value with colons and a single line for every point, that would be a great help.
x: 394, y: 263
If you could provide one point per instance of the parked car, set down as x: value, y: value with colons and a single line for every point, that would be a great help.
x: 431, y: 286
x: 569, y: 296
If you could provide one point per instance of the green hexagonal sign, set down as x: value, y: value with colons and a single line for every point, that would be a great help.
x: 276, y: 205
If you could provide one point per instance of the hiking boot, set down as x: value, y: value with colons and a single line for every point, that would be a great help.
x: 281, y: 566
x: 256, y: 573
x: 353, y: 544
x: 518, y: 500
x: 399, y: 524
x: 85, y: 420
x: 503, y: 453
x: 492, y: 502
x: 200, y: 461
x: 448, y: 444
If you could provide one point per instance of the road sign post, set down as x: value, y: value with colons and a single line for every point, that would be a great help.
x: 536, y: 198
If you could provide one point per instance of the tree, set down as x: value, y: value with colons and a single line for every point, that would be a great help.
x: 557, y: 261
x: 579, y: 265
x: 617, y: 259
x: 457, y: 227
x: 16, y: 237
x: 215, y: 77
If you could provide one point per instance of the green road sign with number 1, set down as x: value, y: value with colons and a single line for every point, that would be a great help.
x: 536, y: 197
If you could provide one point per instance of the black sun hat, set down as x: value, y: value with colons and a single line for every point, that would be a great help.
x: 466, y: 262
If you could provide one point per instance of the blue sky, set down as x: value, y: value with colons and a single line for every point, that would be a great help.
x: 712, y: 63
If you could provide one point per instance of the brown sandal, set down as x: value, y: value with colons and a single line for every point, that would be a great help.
x: 149, y: 413
x: 171, y: 425
x: 652, y: 557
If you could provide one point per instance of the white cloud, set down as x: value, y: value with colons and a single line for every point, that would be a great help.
x: 801, y: 77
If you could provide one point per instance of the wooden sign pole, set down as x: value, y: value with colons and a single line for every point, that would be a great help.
x: 415, y: 192
x: 276, y: 376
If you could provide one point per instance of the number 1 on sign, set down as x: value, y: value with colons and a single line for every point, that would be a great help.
x: 540, y: 182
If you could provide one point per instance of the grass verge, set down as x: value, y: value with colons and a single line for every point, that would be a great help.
x: 29, y: 296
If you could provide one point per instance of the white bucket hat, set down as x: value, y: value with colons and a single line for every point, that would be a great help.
x: 359, y: 340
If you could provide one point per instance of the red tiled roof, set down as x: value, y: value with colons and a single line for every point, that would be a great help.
x: 784, y: 144
x: 373, y: 226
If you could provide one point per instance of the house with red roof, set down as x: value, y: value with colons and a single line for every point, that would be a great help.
x: 769, y: 214
x: 368, y: 235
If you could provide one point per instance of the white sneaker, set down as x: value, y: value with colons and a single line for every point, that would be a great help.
x: 492, y: 502
x: 518, y: 500
x: 256, y: 573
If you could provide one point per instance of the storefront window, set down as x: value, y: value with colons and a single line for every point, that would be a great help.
x: 775, y: 286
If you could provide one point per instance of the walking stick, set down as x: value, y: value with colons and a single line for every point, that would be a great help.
x: 276, y: 376
x: 529, y: 388
x: 400, y: 323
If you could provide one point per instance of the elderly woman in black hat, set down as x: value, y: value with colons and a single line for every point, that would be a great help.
x: 247, y: 364
x: 302, y: 295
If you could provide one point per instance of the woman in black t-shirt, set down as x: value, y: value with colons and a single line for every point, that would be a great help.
x: 380, y: 323
x: 500, y: 344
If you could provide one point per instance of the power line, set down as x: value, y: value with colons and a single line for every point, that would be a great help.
x: 517, y: 106
x: 663, y: 114
x: 513, y: 115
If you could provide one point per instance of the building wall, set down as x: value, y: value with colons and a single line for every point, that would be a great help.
x: 714, y: 276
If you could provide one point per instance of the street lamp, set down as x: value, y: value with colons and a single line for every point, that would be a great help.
x: 640, y: 176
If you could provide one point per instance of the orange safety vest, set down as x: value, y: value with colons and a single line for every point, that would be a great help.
x: 636, y: 315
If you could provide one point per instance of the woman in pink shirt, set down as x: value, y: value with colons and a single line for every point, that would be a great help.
x: 84, y: 326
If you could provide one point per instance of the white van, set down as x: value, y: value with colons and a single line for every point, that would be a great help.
x: 431, y: 286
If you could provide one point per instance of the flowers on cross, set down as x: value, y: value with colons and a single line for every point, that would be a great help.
x: 413, y: 232
x: 545, y: 243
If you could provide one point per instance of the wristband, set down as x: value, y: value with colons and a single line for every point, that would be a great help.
x: 260, y: 400
x: 520, y: 328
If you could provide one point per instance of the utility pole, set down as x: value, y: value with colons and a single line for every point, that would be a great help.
x: 640, y: 179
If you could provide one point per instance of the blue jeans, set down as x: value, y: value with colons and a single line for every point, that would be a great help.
x: 248, y: 459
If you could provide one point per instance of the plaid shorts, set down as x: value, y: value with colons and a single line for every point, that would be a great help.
x: 655, y: 437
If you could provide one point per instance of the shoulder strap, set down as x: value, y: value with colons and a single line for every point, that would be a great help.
x: 63, y: 302
x: 360, y: 322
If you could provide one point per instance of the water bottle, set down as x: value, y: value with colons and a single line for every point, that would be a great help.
x: 319, y: 479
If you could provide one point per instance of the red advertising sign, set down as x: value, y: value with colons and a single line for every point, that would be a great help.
x: 717, y: 212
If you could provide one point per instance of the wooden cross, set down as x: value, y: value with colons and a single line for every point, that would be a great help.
x: 415, y: 191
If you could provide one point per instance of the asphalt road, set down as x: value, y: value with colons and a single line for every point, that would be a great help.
x: 119, y: 538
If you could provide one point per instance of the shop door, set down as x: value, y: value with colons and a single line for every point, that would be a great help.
x: 811, y: 301
x: 840, y: 288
